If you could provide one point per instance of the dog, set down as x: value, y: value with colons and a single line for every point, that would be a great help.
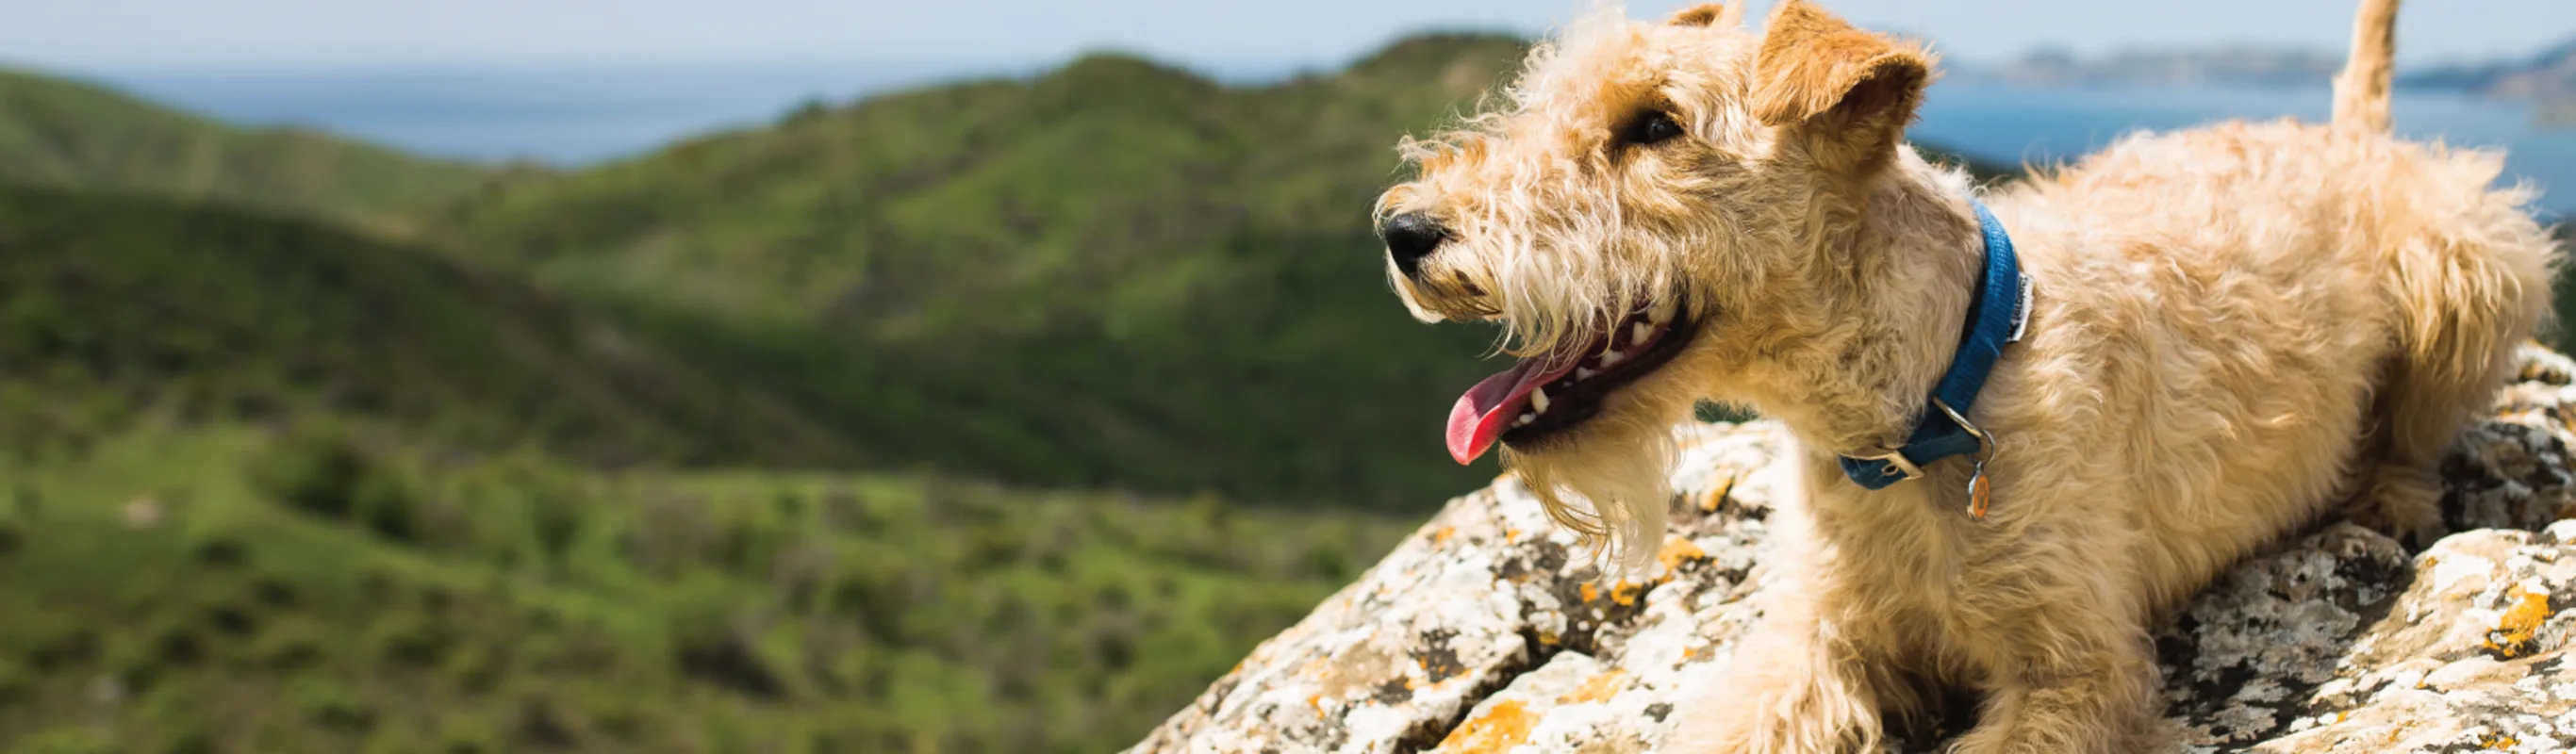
x: 2182, y: 348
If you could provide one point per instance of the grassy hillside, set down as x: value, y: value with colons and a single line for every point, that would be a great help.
x: 63, y: 133
x: 220, y: 590
x: 1116, y: 273
x: 267, y: 486
x: 116, y: 310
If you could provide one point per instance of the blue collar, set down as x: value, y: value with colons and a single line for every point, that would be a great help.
x: 1995, y: 319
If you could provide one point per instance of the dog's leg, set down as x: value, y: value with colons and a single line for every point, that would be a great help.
x: 1793, y: 688
x: 2402, y: 496
x: 2065, y: 671
x: 2100, y: 711
x: 2462, y: 305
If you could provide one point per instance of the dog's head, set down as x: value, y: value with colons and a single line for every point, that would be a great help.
x: 1651, y: 210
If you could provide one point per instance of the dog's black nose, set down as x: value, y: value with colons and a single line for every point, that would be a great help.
x: 1410, y: 237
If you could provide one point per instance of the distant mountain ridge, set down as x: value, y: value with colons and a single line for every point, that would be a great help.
x: 65, y: 133
x: 2547, y: 73
x: 2230, y: 65
x: 2548, y: 80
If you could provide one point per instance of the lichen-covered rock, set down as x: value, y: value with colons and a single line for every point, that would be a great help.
x: 1489, y: 631
x: 2467, y: 658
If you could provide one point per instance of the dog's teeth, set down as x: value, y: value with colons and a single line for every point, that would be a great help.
x: 1612, y: 358
x: 1582, y: 373
x: 1538, y: 399
x: 1637, y: 335
x: 1662, y: 313
x: 1524, y: 420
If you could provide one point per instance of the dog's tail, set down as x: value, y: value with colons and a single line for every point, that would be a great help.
x: 2361, y: 91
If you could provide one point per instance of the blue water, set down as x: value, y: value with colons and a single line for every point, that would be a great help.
x: 2039, y: 124
x: 575, y: 117
x: 558, y: 116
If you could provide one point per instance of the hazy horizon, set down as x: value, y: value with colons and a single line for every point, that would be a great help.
x: 254, y: 37
x: 571, y: 112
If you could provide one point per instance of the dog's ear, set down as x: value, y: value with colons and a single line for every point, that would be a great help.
x: 1709, y: 14
x: 1851, y: 89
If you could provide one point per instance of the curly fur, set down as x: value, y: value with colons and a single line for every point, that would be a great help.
x: 2238, y: 329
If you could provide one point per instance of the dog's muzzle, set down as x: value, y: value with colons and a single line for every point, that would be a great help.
x: 1411, y: 237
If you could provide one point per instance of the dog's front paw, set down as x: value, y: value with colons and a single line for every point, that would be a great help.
x: 1722, y: 726
x: 1767, y: 714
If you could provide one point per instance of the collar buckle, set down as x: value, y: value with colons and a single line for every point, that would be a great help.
x: 1898, y: 465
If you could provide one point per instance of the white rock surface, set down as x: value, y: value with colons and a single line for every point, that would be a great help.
x: 1488, y: 631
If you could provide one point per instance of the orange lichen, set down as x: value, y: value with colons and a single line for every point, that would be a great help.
x: 1678, y: 551
x: 1626, y: 592
x: 2514, y: 633
x: 1442, y: 536
x: 1498, y: 730
x: 1596, y: 688
x: 1716, y: 497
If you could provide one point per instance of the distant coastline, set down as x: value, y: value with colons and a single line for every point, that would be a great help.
x: 2545, y: 80
x: 2047, y: 108
x: 2033, y: 123
x: 2214, y: 66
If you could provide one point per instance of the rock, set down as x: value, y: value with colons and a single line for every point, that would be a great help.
x: 1490, y: 631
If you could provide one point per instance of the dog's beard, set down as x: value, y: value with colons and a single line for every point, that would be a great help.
x: 1611, y: 484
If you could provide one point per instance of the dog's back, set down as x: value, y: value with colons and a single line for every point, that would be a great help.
x: 2282, y: 289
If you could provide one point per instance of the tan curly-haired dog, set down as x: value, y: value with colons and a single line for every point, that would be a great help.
x: 2231, y: 331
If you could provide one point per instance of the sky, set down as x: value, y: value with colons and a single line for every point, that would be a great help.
x: 288, y: 35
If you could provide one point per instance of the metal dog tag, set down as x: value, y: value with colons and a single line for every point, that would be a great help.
x: 1977, y: 487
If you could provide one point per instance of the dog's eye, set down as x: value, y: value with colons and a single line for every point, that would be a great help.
x: 1655, y: 126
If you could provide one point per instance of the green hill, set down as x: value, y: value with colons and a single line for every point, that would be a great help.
x: 63, y: 133
x: 270, y: 486
x: 117, y: 309
x: 1115, y: 274
x: 221, y: 590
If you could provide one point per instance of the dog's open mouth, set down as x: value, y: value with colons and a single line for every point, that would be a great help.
x: 1545, y: 395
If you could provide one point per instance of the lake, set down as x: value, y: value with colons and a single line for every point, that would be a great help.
x: 574, y: 117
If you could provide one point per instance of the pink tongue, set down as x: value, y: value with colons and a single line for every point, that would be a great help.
x: 1488, y: 408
